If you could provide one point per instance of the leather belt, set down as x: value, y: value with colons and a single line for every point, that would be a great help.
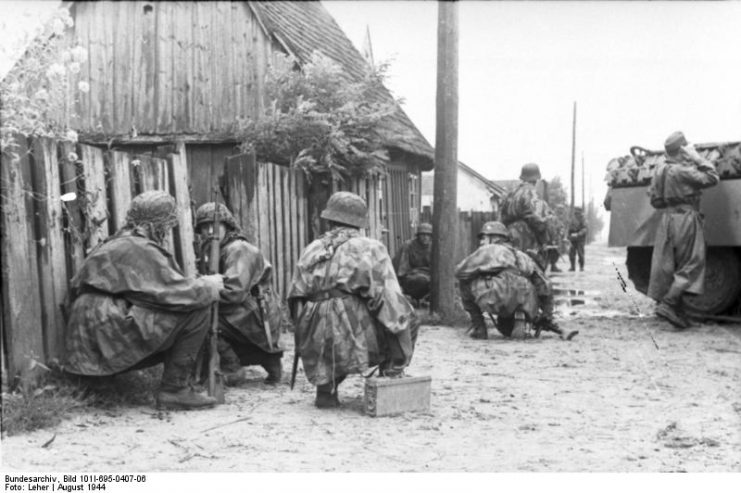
x: 327, y: 295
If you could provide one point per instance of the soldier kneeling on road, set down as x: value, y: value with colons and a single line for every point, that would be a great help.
x: 347, y: 305
x: 250, y: 312
x: 501, y: 280
x: 413, y: 264
x: 133, y: 307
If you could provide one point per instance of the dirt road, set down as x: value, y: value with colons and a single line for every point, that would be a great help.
x: 628, y: 394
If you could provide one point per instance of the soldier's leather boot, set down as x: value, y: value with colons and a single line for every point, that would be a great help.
x: 679, y: 309
x: 274, y: 368
x: 184, y: 399
x: 572, y: 268
x: 480, y: 332
x: 668, y: 312
x: 479, y: 326
x: 326, y: 396
x: 555, y: 269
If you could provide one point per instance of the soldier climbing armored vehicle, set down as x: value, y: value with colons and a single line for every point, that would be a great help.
x: 634, y: 222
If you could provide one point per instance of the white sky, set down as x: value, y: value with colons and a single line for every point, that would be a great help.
x: 638, y: 71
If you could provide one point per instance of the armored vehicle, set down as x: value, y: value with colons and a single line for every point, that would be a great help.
x: 633, y: 222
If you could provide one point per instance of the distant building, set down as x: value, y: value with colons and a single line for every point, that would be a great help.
x: 475, y: 192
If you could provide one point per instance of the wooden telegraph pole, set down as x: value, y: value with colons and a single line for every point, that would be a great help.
x: 445, y: 213
x: 583, y: 204
x: 573, y: 157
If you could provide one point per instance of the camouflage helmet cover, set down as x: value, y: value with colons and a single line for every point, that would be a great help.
x: 494, y: 228
x: 424, y: 229
x: 205, y: 214
x: 530, y: 171
x: 346, y: 208
x: 156, y: 207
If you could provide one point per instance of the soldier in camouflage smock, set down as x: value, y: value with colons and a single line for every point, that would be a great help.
x: 678, y: 260
x: 353, y: 313
x: 250, y: 311
x: 524, y: 215
x: 413, y: 263
x: 133, y: 307
x: 500, y: 279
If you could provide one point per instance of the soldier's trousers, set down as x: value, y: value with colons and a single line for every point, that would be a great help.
x: 576, y: 249
x: 179, y: 351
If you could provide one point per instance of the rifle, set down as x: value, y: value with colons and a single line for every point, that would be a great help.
x: 215, y: 378
x: 293, y: 309
x: 263, y: 313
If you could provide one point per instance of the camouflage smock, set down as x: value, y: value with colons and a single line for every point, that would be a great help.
x: 496, y: 277
x: 524, y: 214
x: 678, y: 259
x: 130, y: 297
x: 247, y: 274
x: 339, y: 335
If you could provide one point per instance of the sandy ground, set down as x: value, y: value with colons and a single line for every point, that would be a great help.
x: 628, y: 394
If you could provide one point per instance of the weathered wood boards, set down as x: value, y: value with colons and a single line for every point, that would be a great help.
x: 45, y: 238
x: 22, y: 316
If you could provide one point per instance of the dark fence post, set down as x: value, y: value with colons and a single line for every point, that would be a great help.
x: 52, y: 261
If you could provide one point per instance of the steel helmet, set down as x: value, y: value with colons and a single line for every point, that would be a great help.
x: 205, y: 214
x: 424, y: 229
x: 530, y: 171
x: 155, y: 207
x: 494, y: 228
x: 346, y: 208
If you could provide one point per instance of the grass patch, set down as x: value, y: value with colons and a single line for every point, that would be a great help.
x: 58, y: 396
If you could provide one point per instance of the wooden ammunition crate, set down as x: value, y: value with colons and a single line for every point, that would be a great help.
x: 389, y: 396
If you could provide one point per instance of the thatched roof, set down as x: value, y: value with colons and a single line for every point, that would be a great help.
x: 305, y: 27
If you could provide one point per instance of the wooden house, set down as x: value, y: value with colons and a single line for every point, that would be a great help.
x: 475, y: 192
x: 166, y: 72
x: 167, y: 75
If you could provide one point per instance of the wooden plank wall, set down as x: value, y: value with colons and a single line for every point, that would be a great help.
x: 469, y: 226
x: 370, y: 189
x: 22, y: 316
x: 167, y: 67
x: 44, y: 239
x: 271, y: 204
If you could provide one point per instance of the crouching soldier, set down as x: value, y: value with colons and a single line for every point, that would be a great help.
x: 499, y: 279
x: 132, y: 307
x: 347, y: 305
x: 250, y: 314
x: 413, y: 266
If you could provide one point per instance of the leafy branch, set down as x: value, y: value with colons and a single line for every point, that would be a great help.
x: 319, y: 120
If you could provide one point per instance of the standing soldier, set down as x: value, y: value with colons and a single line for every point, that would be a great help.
x: 502, y: 280
x: 577, y: 238
x: 678, y: 262
x: 523, y: 212
x: 250, y: 315
x: 413, y: 263
x: 133, y: 307
x: 556, y: 232
x: 353, y: 313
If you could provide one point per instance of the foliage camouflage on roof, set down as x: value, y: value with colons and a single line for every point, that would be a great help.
x: 305, y: 27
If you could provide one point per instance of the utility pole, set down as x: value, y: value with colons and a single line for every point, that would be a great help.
x: 573, y: 157
x: 445, y: 213
x: 583, y: 205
